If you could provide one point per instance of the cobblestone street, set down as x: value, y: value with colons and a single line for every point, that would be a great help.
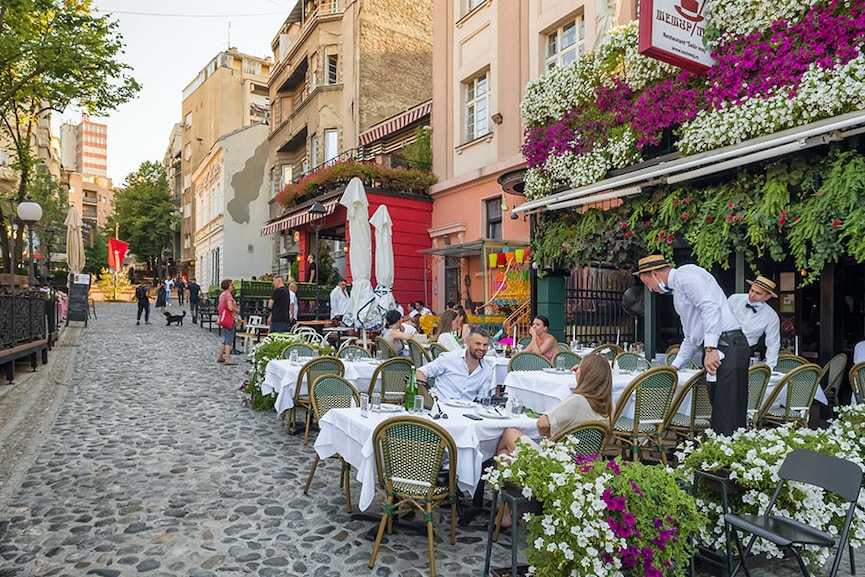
x: 153, y: 466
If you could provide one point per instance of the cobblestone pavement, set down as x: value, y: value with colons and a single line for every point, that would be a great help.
x: 153, y: 467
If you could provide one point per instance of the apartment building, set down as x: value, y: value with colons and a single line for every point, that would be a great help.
x: 485, y: 52
x: 93, y: 196
x: 230, y: 92
x: 84, y: 146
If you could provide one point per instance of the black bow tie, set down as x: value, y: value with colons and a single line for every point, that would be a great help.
x: 752, y: 307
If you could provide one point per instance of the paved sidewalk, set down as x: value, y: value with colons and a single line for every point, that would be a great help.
x: 151, y: 466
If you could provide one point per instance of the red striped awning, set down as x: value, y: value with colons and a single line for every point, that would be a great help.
x: 395, y: 123
x: 296, y: 218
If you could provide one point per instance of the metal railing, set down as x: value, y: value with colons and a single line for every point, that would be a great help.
x: 22, y: 319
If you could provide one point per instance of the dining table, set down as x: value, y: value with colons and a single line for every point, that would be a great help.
x: 349, y: 433
x: 280, y: 377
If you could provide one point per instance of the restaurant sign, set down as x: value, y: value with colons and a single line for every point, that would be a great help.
x: 672, y: 31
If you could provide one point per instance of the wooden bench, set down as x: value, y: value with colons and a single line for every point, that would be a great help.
x: 32, y: 351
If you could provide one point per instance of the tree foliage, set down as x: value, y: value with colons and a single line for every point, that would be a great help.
x: 145, y: 213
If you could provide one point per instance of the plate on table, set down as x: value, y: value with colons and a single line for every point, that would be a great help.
x: 371, y: 361
x: 555, y: 371
x: 388, y: 408
x: 459, y: 403
x: 491, y: 414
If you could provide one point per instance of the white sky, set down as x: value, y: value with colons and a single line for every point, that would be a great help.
x: 167, y: 43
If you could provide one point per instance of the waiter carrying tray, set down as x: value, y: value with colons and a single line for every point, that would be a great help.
x: 710, y: 329
x: 758, y: 318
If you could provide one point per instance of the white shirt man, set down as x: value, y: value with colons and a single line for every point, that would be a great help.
x: 462, y: 374
x: 292, y: 302
x: 338, y: 299
x: 757, y: 317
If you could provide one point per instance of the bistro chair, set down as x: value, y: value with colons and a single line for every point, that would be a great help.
x: 308, y: 373
x: 524, y: 342
x: 839, y: 477
x: 690, y: 425
x: 590, y: 438
x: 758, y: 380
x: 566, y: 359
x: 409, y: 454
x: 857, y: 381
x: 302, y: 350
x: 608, y: 351
x: 353, y: 350
x: 787, y: 363
x: 387, y: 351
x: 332, y: 392
x: 526, y: 361
x: 390, y: 379
x: 418, y: 355
x: 670, y: 357
x: 801, y: 386
x: 834, y: 374
x: 564, y: 347
x: 652, y: 391
x: 435, y: 350
x: 631, y: 361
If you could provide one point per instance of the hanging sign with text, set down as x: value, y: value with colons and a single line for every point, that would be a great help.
x: 672, y: 31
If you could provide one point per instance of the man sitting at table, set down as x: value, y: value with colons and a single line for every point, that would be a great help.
x: 463, y: 375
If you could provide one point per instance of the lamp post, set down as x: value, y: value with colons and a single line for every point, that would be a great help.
x: 317, y: 212
x: 30, y: 212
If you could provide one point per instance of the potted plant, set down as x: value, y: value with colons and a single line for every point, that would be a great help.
x: 751, y: 459
x: 600, y: 517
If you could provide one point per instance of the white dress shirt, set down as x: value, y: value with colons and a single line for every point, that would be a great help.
x: 859, y: 352
x: 338, y: 301
x: 702, y: 307
x: 756, y: 323
x: 453, y: 381
x: 448, y: 341
x: 292, y: 305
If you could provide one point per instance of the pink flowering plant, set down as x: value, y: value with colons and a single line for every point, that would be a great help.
x: 600, y: 517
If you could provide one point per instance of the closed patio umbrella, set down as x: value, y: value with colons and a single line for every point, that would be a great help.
x: 361, y: 310
x: 383, y: 259
x: 74, y: 243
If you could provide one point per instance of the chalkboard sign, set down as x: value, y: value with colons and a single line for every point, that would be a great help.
x: 79, y: 295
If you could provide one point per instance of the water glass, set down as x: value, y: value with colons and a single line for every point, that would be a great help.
x: 376, y: 403
x: 516, y: 407
x: 293, y: 356
x: 364, y: 404
x: 378, y: 355
x: 485, y: 403
x: 418, y: 405
x: 754, y: 360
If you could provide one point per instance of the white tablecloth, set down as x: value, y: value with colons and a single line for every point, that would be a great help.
x: 345, y: 432
x: 280, y: 376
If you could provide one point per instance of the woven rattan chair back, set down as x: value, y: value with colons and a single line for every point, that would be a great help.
x: 303, y: 350
x: 313, y: 369
x: 566, y: 359
x: 525, y: 341
x: 355, y: 351
x: 590, y: 437
x: 436, y: 349
x: 418, y: 355
x: 631, y: 361
x: 653, y: 392
x: 387, y: 351
x: 409, y: 454
x: 332, y: 392
x: 833, y: 372
x: 390, y: 379
x: 527, y: 361
x: 801, y: 383
x: 563, y: 347
x: 695, y: 392
x: 758, y: 379
x: 607, y: 350
x: 857, y: 381
x: 787, y: 363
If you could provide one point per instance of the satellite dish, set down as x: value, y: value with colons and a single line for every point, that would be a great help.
x: 633, y: 302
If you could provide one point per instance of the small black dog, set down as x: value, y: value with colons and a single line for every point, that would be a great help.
x: 170, y: 318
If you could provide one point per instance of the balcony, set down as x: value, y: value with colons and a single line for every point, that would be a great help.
x: 89, y: 200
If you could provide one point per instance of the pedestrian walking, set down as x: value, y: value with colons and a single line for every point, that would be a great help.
x: 142, y: 295
x: 194, y: 299
x: 226, y: 301
x: 180, y: 285
x: 160, y: 297
x: 169, y: 286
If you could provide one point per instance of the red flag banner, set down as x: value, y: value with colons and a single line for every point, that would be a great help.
x: 116, y: 253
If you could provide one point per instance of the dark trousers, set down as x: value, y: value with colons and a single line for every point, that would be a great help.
x: 180, y: 297
x: 729, y: 394
x: 193, y: 310
x: 144, y: 305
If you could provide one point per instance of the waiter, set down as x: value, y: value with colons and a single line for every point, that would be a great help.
x: 338, y: 300
x: 758, y: 318
x: 707, y: 324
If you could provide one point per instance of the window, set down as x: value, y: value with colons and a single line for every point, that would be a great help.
x: 313, y: 151
x: 494, y: 217
x: 477, y: 107
x: 187, y: 122
x: 566, y: 43
x: 472, y: 4
x: 251, y: 67
x: 187, y: 152
x: 331, y: 148
x: 331, y: 76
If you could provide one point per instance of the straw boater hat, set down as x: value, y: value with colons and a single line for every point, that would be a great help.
x: 651, y: 262
x: 764, y: 284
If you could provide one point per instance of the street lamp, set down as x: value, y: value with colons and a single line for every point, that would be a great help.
x: 30, y: 212
x: 317, y: 212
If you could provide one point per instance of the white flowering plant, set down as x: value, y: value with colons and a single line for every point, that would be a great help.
x: 600, y: 517
x: 752, y: 459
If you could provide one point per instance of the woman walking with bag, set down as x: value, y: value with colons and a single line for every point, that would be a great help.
x: 227, y: 309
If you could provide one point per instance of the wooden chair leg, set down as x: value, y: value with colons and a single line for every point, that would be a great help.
x: 454, y: 523
x: 311, y: 473
x: 429, y: 532
x: 308, y: 420
x: 385, y: 520
x: 499, y: 516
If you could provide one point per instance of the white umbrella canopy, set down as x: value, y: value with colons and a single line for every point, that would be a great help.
x: 361, y: 310
x: 383, y: 259
x: 74, y: 244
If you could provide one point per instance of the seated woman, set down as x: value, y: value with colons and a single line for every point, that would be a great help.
x: 465, y: 327
x: 395, y: 337
x: 543, y: 343
x: 446, y: 331
x: 591, y: 400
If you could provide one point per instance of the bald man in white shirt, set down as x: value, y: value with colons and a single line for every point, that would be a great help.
x: 758, y: 318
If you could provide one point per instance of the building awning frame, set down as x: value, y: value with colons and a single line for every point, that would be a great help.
x: 297, y: 217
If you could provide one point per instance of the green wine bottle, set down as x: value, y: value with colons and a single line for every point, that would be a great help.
x: 410, y: 391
